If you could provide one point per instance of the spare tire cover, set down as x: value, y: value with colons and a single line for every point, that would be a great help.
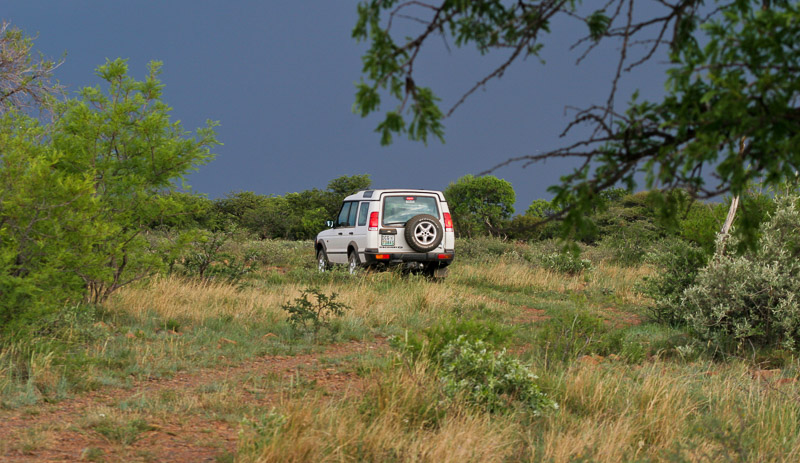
x: 424, y: 232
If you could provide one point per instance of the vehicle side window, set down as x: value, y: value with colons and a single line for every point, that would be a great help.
x: 362, y: 214
x: 342, y: 220
x: 351, y: 220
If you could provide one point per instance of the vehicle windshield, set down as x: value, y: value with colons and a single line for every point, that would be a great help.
x: 397, y: 210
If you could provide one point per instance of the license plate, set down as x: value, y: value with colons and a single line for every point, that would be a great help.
x: 387, y: 240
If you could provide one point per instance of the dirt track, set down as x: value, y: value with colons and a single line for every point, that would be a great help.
x: 53, y: 433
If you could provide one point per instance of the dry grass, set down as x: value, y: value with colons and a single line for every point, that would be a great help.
x: 367, y: 296
x: 30, y: 439
x: 515, y: 275
x: 400, y: 418
x: 660, y: 411
x: 198, y: 300
x: 610, y: 413
x: 666, y: 412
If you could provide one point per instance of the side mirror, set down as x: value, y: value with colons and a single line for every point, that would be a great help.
x: 329, y: 223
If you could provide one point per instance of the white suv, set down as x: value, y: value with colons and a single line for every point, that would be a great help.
x: 390, y: 227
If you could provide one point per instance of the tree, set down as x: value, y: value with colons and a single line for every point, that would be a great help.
x: 480, y: 205
x: 25, y: 80
x: 126, y: 141
x: 342, y: 187
x: 732, y: 74
x: 266, y: 216
x: 349, y: 184
x: 47, y: 224
x: 541, y: 209
x: 193, y: 211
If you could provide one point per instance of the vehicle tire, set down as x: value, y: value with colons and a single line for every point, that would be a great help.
x: 322, y: 261
x: 424, y: 232
x: 352, y: 262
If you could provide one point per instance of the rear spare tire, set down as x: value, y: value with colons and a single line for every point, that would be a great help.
x: 424, y: 232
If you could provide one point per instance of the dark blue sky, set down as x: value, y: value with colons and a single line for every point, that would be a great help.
x: 279, y: 77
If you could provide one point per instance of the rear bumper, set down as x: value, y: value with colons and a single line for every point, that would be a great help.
x: 443, y: 259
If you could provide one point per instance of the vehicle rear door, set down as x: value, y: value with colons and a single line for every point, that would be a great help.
x: 398, y: 209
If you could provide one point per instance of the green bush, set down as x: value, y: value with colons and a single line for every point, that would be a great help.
x: 438, y: 336
x: 629, y: 243
x: 565, y: 262
x: 753, y: 298
x: 471, y: 369
x: 306, y: 315
x: 701, y: 224
x: 678, y: 263
x: 487, y: 247
x: 530, y: 228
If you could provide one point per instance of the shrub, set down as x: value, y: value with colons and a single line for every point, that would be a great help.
x: 679, y: 262
x: 439, y: 336
x: 565, y: 262
x: 752, y: 298
x: 701, y: 224
x: 484, y: 248
x: 472, y: 370
x: 208, y: 258
x: 530, y: 228
x: 306, y: 315
x: 629, y: 243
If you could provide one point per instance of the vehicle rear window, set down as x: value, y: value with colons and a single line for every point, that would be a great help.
x: 397, y: 210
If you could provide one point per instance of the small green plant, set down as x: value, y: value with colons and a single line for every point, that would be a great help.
x: 172, y: 325
x: 565, y: 262
x: 93, y: 454
x: 125, y: 433
x: 438, y: 336
x: 569, y: 334
x: 255, y: 433
x: 305, y: 315
x: 471, y: 369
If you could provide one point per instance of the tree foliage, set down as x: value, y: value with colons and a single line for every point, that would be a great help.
x: 299, y: 215
x: 733, y: 67
x: 25, y: 80
x: 46, y: 223
x: 79, y: 194
x: 480, y: 205
x: 125, y: 138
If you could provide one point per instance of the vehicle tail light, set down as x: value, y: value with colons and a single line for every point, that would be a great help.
x: 448, y: 222
x: 445, y: 256
x: 373, y: 221
x: 382, y: 256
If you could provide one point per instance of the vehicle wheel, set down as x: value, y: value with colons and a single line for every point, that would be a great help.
x: 322, y: 261
x: 424, y: 232
x: 352, y: 262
